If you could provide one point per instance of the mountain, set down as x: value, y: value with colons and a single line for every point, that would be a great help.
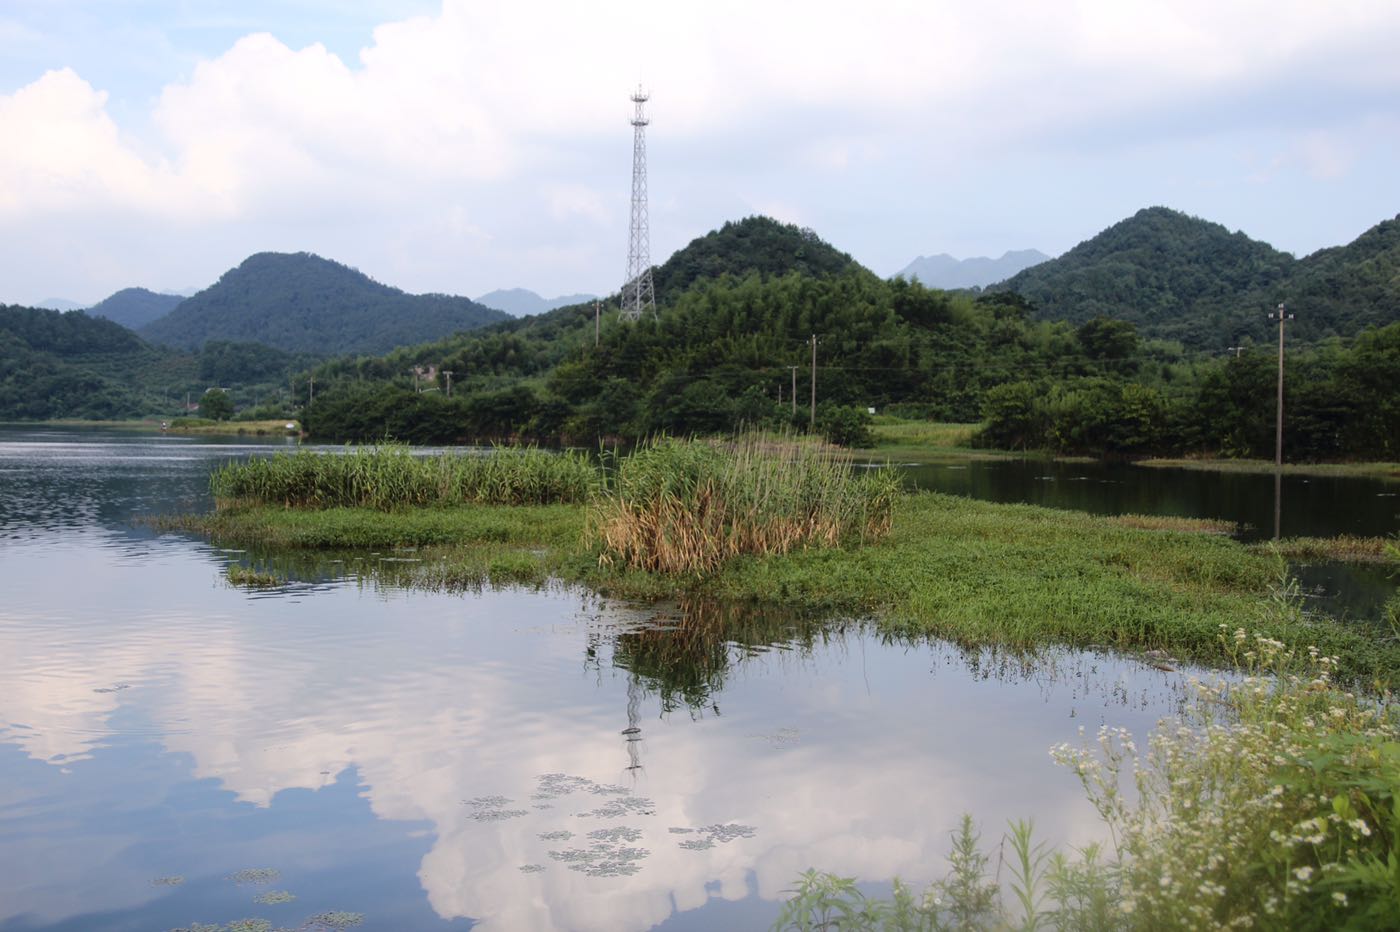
x: 754, y: 244
x: 60, y: 304
x: 521, y: 302
x: 57, y: 364
x: 1343, y: 289
x: 135, y: 307
x: 299, y: 302
x: 943, y: 271
x: 1171, y: 275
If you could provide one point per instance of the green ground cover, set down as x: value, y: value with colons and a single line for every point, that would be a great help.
x: 977, y: 573
x: 1264, y: 467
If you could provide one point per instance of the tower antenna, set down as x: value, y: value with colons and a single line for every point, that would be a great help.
x: 638, y: 295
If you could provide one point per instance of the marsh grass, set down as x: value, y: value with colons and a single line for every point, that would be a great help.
x: 1267, y: 467
x: 390, y: 477
x: 1176, y: 523
x: 249, y: 578
x: 890, y: 431
x: 1345, y: 548
x: 688, y: 507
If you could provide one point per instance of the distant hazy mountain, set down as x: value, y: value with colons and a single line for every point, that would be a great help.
x: 520, y: 302
x: 302, y: 303
x: 60, y: 304
x: 943, y: 271
x: 135, y: 307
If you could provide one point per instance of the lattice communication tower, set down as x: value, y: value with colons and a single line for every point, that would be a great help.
x: 638, y: 295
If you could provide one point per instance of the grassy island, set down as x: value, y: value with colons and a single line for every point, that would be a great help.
x: 783, y: 522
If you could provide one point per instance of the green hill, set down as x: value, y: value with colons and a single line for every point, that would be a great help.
x: 302, y: 303
x: 135, y: 307
x: 1183, y: 278
x: 69, y: 365
x: 754, y: 244
x: 1341, y: 290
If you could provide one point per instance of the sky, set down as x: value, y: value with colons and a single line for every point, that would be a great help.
x: 461, y: 146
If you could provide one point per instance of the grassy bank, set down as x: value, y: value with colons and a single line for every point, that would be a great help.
x: 974, y: 572
x: 182, y: 425
x: 1266, y: 467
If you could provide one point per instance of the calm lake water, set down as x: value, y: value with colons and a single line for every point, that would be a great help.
x: 173, y: 749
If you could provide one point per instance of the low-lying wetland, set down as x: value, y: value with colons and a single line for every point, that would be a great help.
x: 434, y: 712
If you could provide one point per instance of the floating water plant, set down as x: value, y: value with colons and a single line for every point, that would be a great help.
x: 246, y: 576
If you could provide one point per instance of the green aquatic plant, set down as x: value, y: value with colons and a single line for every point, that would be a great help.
x: 688, y: 507
x: 391, y: 476
x: 239, y: 575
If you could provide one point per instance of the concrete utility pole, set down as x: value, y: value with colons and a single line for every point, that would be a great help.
x: 597, y: 323
x: 1280, y: 315
x: 812, y: 420
x: 794, y: 389
x: 1235, y: 349
x: 311, y: 389
x: 448, y: 373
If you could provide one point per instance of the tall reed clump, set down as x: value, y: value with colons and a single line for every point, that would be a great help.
x: 388, y: 477
x: 687, y: 506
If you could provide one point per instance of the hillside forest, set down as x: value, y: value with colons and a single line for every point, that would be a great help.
x: 738, y: 310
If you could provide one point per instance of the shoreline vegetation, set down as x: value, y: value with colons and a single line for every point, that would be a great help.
x: 182, y: 425
x: 818, y: 538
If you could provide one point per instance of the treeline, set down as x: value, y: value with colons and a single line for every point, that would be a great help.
x: 726, y: 354
x: 1340, y: 401
x: 57, y: 365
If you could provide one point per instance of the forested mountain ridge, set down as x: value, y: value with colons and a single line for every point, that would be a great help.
x: 530, y: 346
x: 135, y: 307
x: 302, y: 303
x: 1179, y: 277
x: 56, y: 364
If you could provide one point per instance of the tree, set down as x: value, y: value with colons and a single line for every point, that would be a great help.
x: 215, y: 404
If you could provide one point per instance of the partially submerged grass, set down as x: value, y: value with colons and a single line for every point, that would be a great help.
x: 388, y: 477
x: 250, y: 578
x: 1265, y: 467
x: 1344, y: 548
x: 679, y: 507
x: 1176, y: 523
x: 977, y: 573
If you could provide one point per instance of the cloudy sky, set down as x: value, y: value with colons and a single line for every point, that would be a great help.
x: 463, y: 145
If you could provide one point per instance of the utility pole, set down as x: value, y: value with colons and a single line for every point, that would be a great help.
x: 1280, y: 315
x: 311, y: 390
x: 448, y: 373
x: 1235, y: 349
x: 794, y: 390
x: 812, y: 420
x: 597, y: 323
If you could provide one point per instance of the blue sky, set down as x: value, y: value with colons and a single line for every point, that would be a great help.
x: 464, y: 146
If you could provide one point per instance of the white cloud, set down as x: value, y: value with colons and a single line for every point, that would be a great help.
x: 491, y: 109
